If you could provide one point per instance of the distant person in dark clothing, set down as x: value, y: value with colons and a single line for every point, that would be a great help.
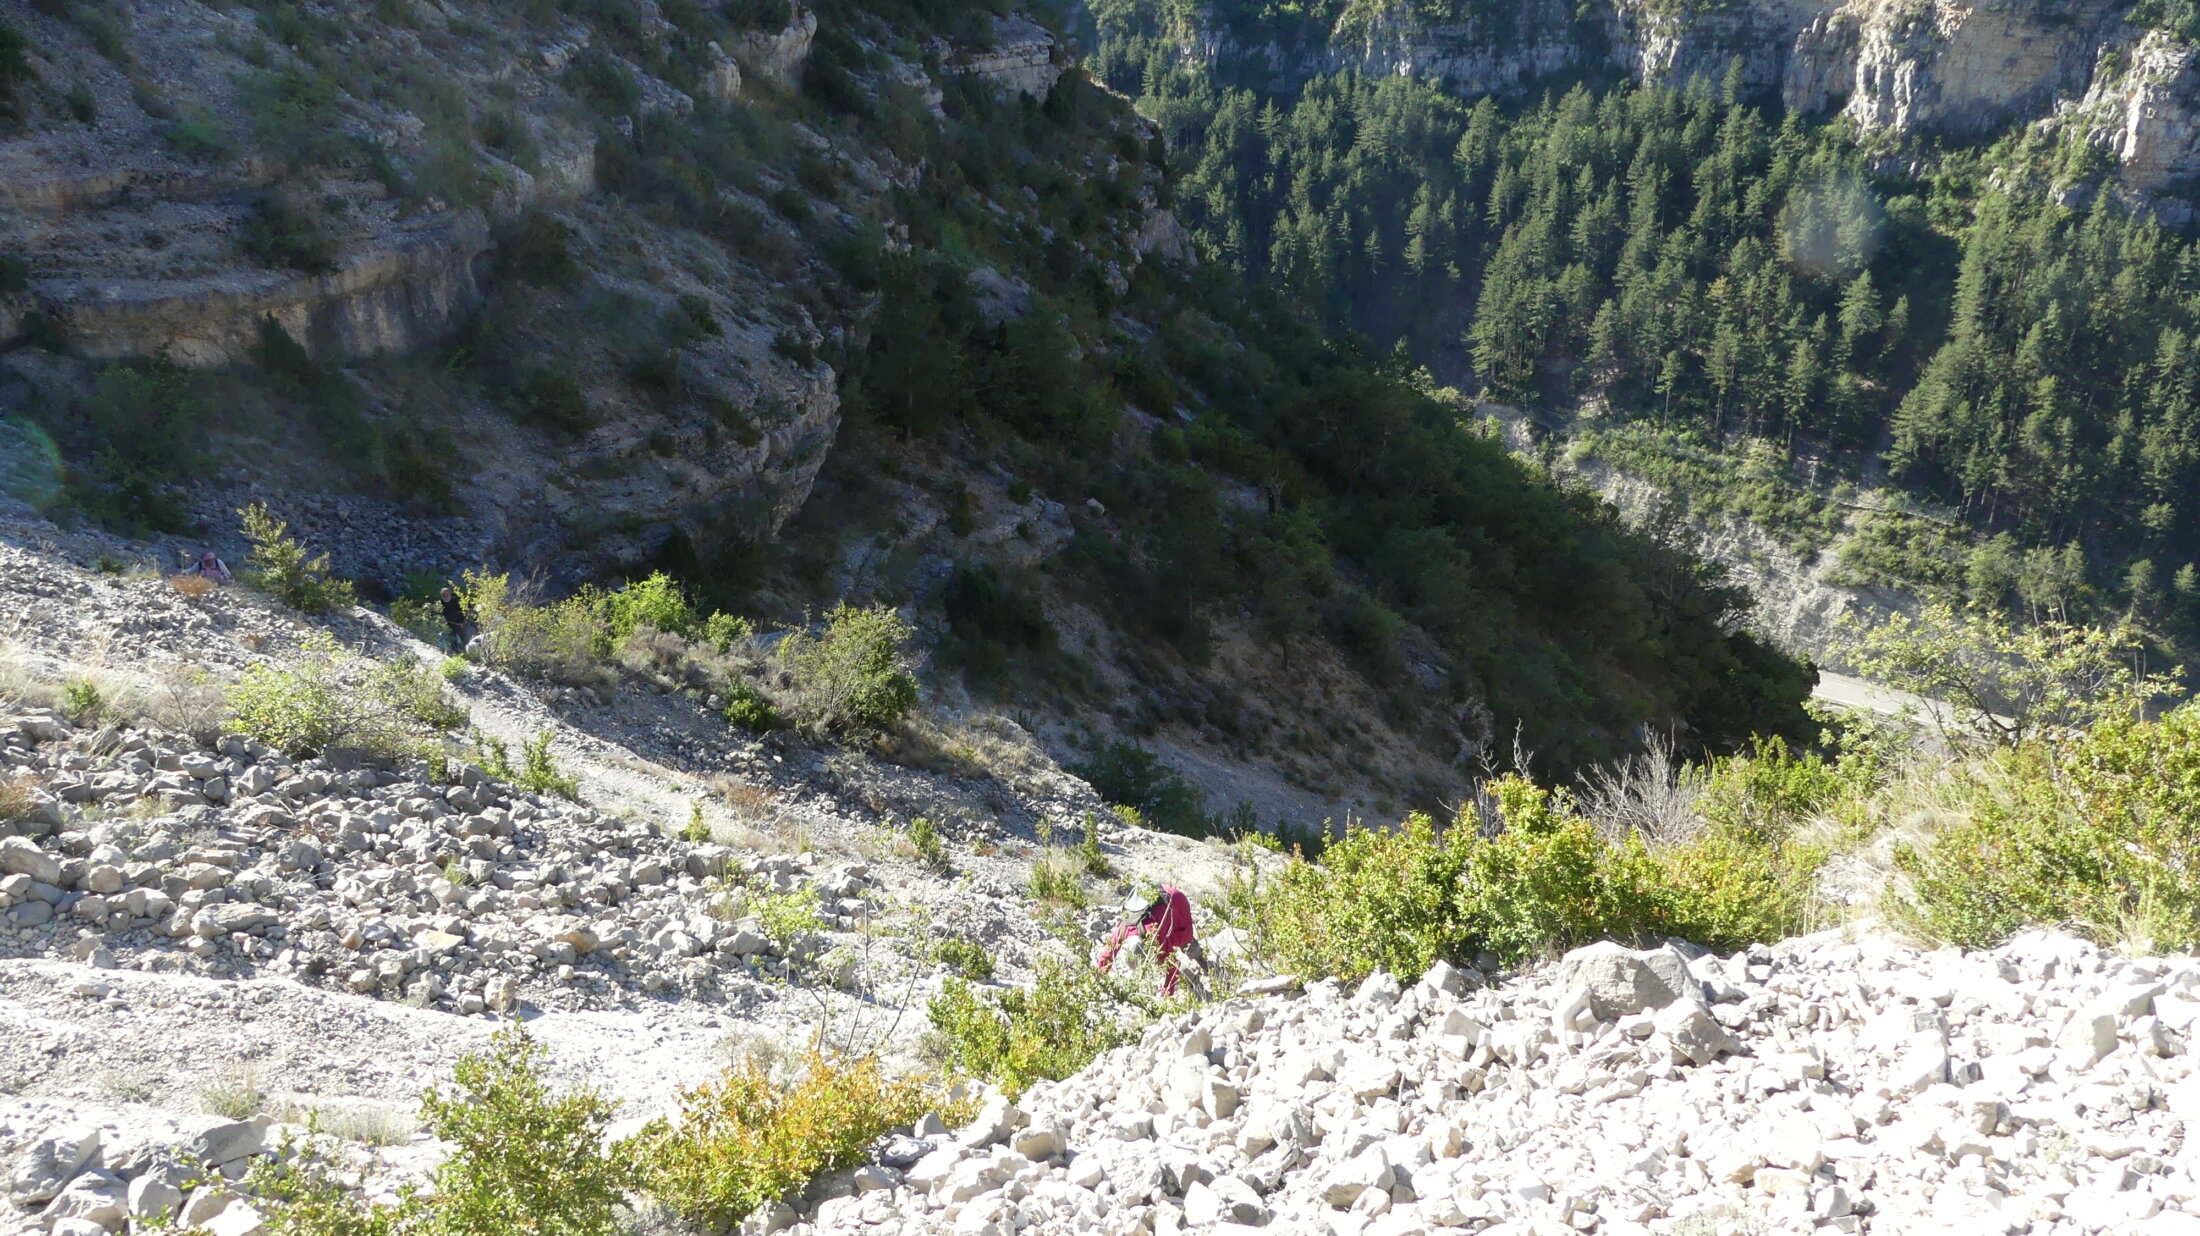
x: 454, y: 617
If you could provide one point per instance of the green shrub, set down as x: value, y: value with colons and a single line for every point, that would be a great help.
x: 745, y: 1140
x: 569, y: 641
x: 747, y: 709
x: 420, y: 616
x: 279, y: 235
x: 989, y: 618
x: 1127, y: 775
x: 1055, y: 880
x: 325, y: 699
x: 854, y: 678
x: 547, y: 395
x: 1546, y: 882
x: 81, y: 701
x: 537, y: 773
x: 412, y: 688
x: 279, y: 567
x: 534, y: 248
x: 15, y: 67
x: 925, y: 840
x: 1015, y: 1037
x: 15, y: 275
x: 2102, y: 835
x: 523, y: 1158
x: 722, y: 631
x: 695, y: 831
x: 657, y: 601
x: 200, y: 134
x: 789, y: 919
x: 965, y: 957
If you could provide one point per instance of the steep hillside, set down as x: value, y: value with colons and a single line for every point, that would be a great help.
x: 1917, y: 278
x: 872, y: 301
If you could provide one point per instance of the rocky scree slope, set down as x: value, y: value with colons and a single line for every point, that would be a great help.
x: 189, y: 916
x: 1824, y: 1085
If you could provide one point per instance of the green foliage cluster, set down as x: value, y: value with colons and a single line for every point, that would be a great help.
x: 82, y: 701
x: 1017, y: 1036
x: 1545, y: 881
x: 1127, y: 775
x: 2006, y: 684
x: 15, y: 68
x: 748, y: 709
x: 925, y: 839
x: 280, y: 234
x: 537, y: 771
x: 746, y: 1139
x: 524, y: 1158
x: 325, y: 699
x: 990, y: 618
x: 279, y: 566
x: 2101, y: 834
x: 966, y: 957
x: 853, y: 677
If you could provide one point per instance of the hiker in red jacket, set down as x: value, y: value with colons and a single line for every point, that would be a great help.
x: 1169, y: 921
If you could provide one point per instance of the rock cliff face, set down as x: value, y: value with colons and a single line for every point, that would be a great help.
x: 2146, y: 112
x: 173, y: 211
x: 1958, y: 68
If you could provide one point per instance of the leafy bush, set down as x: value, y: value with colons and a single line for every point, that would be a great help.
x: 279, y: 235
x: 279, y: 567
x: 326, y: 699
x: 15, y: 275
x: 82, y: 702
x: 569, y: 641
x: 743, y: 1140
x: 547, y: 395
x: 413, y: 688
x: 1545, y: 882
x: 1016, y: 1037
x: 534, y: 248
x: 925, y: 840
x: 2103, y: 835
x: 722, y: 631
x: 965, y: 957
x: 988, y: 618
x: 657, y: 601
x: 524, y: 1159
x: 15, y: 68
x: 747, y: 709
x: 855, y: 677
x: 537, y: 773
x: 1127, y: 775
x: 1055, y: 879
x: 2004, y: 684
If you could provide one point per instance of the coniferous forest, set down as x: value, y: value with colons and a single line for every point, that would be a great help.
x: 1746, y: 299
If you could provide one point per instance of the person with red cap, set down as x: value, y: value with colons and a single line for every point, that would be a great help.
x: 1169, y: 921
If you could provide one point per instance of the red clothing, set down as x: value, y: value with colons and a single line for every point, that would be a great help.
x: 1169, y: 921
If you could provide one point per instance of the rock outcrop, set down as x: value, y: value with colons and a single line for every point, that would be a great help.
x: 1023, y: 58
x: 2144, y: 107
x: 406, y: 291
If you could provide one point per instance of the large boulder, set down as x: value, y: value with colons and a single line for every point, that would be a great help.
x: 1622, y: 982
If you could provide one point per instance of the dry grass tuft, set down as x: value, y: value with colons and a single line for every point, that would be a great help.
x: 18, y: 794
x: 191, y: 586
